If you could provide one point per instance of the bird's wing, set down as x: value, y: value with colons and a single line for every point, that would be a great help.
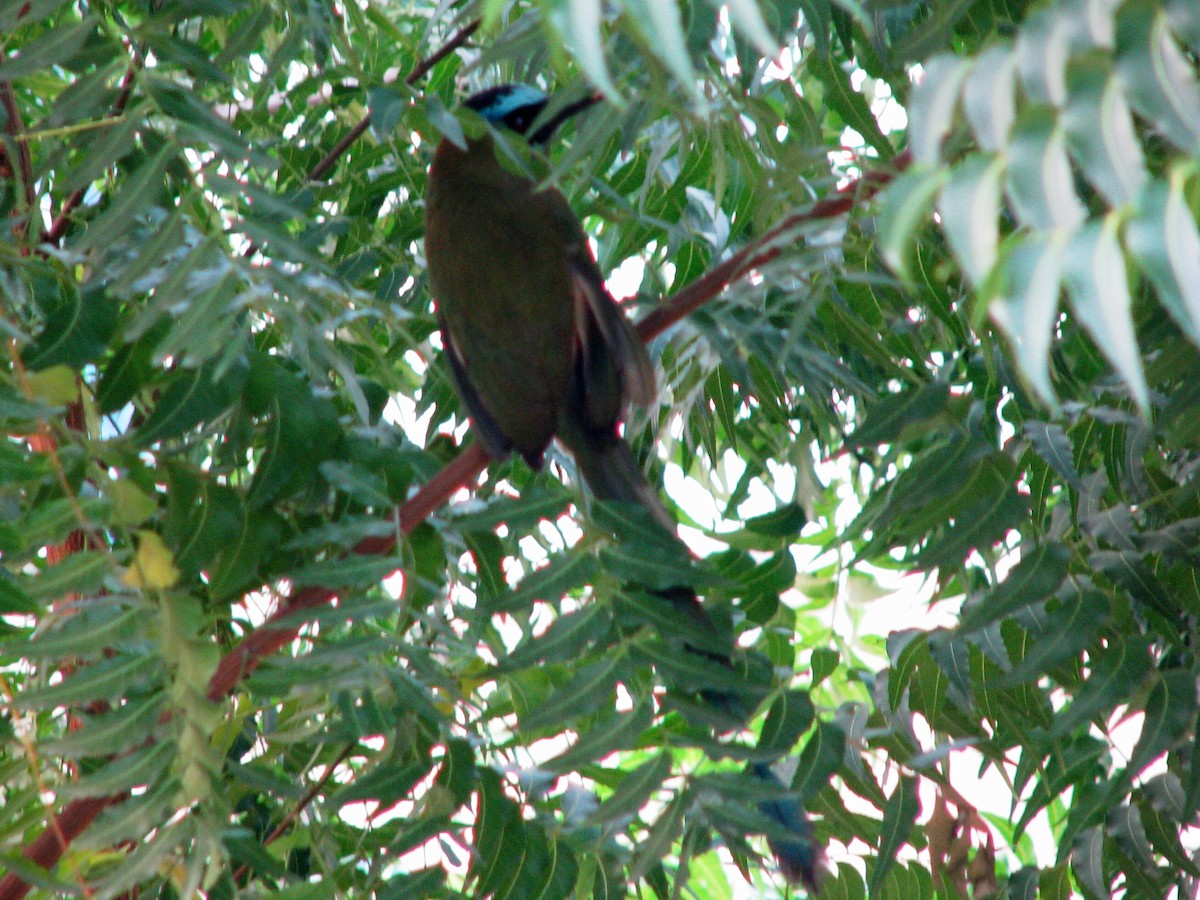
x: 490, y: 434
x: 624, y: 349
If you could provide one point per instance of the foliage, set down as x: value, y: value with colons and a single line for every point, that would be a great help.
x: 223, y: 378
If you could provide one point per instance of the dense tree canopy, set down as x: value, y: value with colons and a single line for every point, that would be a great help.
x: 921, y: 281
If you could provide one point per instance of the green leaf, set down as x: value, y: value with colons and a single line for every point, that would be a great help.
x: 1170, y: 717
x: 580, y: 21
x: 1164, y: 238
x: 848, y: 103
x: 789, y: 717
x: 1039, y: 180
x: 887, y: 420
x: 898, y: 817
x: 1098, y: 285
x: 931, y: 113
x: 1027, y: 307
x: 989, y: 97
x: 589, y: 688
x: 1161, y: 83
x: 906, y: 208
x: 79, y: 573
x: 134, y: 197
x: 634, y: 791
x: 1100, y: 132
x: 106, y: 679
x: 1033, y: 580
x: 54, y: 48
x: 969, y: 206
x: 613, y: 732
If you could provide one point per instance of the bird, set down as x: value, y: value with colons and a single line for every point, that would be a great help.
x: 537, y: 346
x: 800, y: 859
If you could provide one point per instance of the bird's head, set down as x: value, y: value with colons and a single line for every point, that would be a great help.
x: 517, y: 107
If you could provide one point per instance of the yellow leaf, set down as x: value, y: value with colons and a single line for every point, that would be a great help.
x: 130, y: 503
x: 55, y: 385
x: 153, y: 566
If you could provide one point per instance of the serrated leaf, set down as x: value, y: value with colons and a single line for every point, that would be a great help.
x: 969, y: 205
x: 1170, y: 717
x: 1042, y: 53
x: 1098, y: 285
x: 583, y: 693
x: 887, y: 419
x: 1034, y: 579
x: 1100, y: 132
x: 905, y: 208
x: 634, y: 791
x: 931, y: 112
x: 989, y: 97
x: 1039, y: 180
x: 1027, y: 307
x: 1163, y: 236
x: 619, y: 731
x: 898, y: 817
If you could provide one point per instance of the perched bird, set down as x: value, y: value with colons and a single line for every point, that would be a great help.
x: 537, y: 346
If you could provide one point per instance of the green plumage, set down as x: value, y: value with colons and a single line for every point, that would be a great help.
x: 537, y: 346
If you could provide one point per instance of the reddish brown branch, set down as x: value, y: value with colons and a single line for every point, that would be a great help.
x: 715, y: 280
x: 283, y: 626
x: 49, y: 846
x: 15, y: 128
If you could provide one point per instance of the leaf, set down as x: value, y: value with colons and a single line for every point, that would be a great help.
x: 1170, y: 717
x: 583, y: 693
x: 1027, y: 307
x: 848, y: 103
x: 969, y: 206
x: 906, y: 208
x: 1161, y: 84
x: 820, y: 759
x: 579, y: 21
x: 136, y: 194
x: 617, y: 731
x: 1116, y: 672
x: 79, y: 573
x: 566, y: 638
x: 1042, y: 53
x: 898, y: 817
x: 1039, y: 180
x: 1051, y: 443
x: 989, y: 97
x: 1033, y: 580
x: 663, y: 835
x: 931, y: 112
x: 1100, y: 132
x: 886, y: 421
x: 789, y: 717
x: 662, y: 26
x: 634, y: 791
x: 1097, y: 283
x: 106, y: 679
x: 78, y: 328
x: 53, y: 48
x: 1163, y: 236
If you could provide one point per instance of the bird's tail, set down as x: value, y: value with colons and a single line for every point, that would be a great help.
x: 611, y: 470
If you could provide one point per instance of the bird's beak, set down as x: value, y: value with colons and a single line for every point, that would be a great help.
x: 544, y: 133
